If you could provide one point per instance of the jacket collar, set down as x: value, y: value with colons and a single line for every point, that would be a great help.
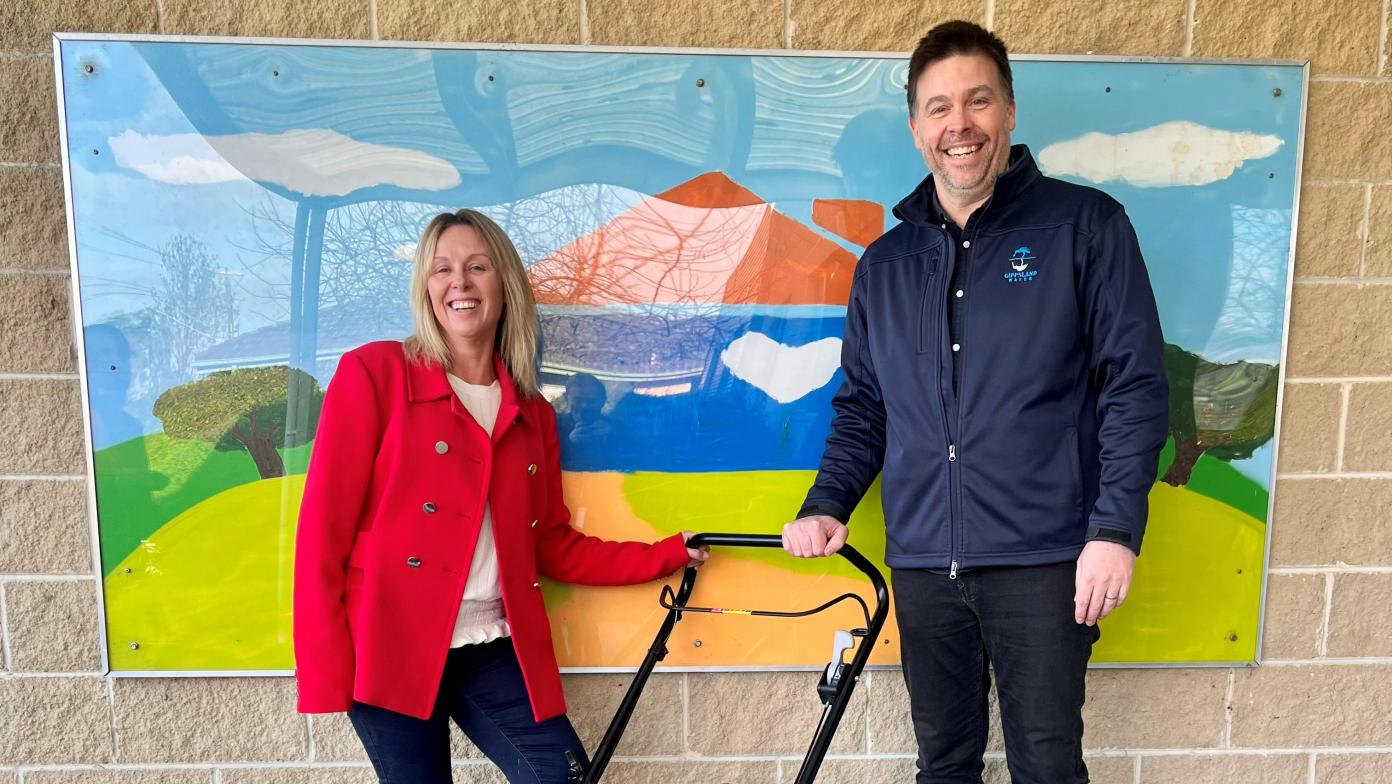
x: 426, y: 381
x: 921, y: 206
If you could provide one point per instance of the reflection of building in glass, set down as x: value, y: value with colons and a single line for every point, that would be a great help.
x: 341, y: 328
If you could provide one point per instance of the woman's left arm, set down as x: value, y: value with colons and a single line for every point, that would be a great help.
x: 565, y: 554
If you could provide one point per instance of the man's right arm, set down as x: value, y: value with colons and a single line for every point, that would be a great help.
x: 855, y: 448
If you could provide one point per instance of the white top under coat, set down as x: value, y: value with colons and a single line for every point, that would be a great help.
x: 481, y: 618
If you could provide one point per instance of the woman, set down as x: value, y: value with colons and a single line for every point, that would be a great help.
x: 432, y: 505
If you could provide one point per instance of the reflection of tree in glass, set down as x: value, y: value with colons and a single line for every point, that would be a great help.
x: 365, y: 268
x: 243, y: 408
x: 674, y: 264
x: 365, y: 261
x: 575, y: 260
x: 654, y: 256
x: 539, y: 224
x: 1249, y: 321
x: 1226, y: 411
x: 368, y: 247
x: 195, y: 306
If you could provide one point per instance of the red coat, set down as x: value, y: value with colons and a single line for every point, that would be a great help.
x: 392, y: 508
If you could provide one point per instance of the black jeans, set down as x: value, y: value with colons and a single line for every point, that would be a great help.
x: 483, y: 691
x: 1019, y: 622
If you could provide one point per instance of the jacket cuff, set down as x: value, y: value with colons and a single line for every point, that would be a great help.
x: 673, y: 553
x: 313, y: 700
x: 1116, y: 535
x: 822, y: 506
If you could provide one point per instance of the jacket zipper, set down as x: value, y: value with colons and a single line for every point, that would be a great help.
x: 952, y: 525
x: 954, y: 470
x: 942, y: 408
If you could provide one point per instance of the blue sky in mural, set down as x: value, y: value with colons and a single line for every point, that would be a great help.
x: 210, y: 142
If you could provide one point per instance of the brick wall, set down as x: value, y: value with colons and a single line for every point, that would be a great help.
x: 1319, y: 710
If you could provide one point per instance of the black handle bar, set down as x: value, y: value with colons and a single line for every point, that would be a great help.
x: 776, y: 542
x: 822, y: 740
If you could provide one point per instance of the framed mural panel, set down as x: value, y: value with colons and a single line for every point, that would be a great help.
x: 242, y: 212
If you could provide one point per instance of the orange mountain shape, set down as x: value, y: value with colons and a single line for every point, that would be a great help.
x: 861, y: 222
x: 712, y: 189
x: 709, y: 240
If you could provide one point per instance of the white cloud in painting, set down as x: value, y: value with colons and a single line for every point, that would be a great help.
x: 313, y: 162
x: 178, y: 159
x: 1167, y: 155
x: 405, y: 252
x: 785, y: 373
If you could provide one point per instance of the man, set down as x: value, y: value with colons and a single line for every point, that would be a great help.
x: 1004, y: 367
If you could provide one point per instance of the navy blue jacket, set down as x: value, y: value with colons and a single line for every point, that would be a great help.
x: 1063, y: 400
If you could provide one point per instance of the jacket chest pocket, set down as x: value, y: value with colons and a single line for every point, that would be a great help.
x: 930, y: 305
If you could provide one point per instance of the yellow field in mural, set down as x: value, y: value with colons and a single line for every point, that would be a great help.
x: 210, y: 589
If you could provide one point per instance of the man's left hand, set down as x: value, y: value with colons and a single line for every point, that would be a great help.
x: 1103, y: 578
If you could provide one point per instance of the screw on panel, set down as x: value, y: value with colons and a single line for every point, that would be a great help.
x: 135, y: 646
x: 697, y: 643
x: 1276, y: 93
x: 700, y: 82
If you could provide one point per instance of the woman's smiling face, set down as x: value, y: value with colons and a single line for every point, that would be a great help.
x: 466, y: 292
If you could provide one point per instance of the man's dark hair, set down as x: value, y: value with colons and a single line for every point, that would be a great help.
x: 958, y: 38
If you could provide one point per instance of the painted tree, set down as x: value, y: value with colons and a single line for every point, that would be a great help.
x: 244, y: 408
x: 1226, y: 411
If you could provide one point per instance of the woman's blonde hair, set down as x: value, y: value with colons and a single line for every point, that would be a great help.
x: 517, y: 328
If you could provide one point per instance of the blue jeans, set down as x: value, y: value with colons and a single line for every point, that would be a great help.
x: 1019, y: 622
x: 483, y: 691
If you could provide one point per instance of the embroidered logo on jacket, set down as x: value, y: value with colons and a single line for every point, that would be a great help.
x: 1020, y: 266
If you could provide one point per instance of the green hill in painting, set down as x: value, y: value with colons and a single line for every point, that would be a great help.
x: 147, y: 481
x: 211, y: 588
x: 1221, y: 482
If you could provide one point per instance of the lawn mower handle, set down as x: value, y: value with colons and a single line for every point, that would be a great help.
x: 832, y: 716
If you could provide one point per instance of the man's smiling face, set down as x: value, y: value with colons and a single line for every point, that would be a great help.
x: 962, y: 125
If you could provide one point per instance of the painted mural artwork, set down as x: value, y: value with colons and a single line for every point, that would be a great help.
x: 245, y: 213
